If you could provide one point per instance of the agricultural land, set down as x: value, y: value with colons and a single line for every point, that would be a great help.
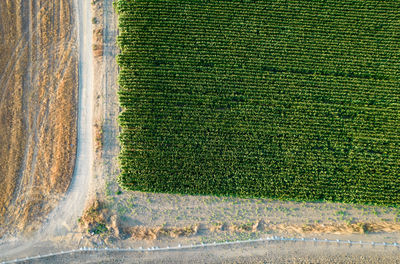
x: 278, y: 99
x: 38, y: 88
x: 203, y: 129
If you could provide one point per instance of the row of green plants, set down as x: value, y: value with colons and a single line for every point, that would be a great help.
x: 280, y: 99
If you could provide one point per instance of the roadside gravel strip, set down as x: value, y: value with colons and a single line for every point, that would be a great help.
x: 65, y: 216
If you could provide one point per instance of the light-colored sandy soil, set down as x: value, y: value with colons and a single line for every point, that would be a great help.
x: 38, y: 87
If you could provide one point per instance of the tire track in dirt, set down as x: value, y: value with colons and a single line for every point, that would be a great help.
x: 18, y: 51
x: 26, y: 188
x: 27, y: 86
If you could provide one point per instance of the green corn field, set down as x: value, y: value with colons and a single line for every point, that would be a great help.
x: 281, y: 99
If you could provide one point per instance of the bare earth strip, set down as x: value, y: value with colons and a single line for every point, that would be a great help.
x: 12, y: 130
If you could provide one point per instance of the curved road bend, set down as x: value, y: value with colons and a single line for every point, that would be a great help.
x: 64, y: 216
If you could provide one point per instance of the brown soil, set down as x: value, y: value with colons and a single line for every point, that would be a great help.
x: 38, y: 88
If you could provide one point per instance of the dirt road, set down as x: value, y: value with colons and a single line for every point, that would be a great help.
x: 64, y: 218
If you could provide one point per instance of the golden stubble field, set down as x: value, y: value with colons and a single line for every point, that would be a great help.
x: 38, y: 93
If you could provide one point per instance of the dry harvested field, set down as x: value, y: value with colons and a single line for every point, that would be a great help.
x: 38, y: 89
